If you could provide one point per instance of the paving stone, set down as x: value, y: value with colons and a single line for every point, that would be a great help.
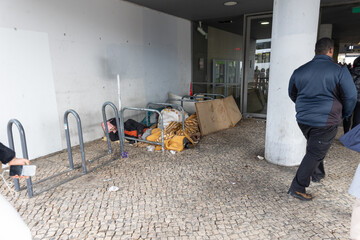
x: 218, y: 189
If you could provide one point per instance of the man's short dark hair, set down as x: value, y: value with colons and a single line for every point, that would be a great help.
x: 323, y: 45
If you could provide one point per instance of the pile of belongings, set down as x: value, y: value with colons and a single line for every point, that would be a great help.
x: 175, y: 137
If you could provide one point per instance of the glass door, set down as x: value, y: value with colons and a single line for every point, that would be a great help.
x: 217, y: 62
x: 257, y: 35
x: 226, y: 78
x: 219, y: 76
x: 234, y: 79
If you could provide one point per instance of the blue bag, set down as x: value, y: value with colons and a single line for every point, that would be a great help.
x: 352, y: 139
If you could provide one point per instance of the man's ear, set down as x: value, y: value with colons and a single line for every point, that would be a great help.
x: 330, y: 53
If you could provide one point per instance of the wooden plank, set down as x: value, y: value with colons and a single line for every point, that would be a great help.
x: 212, y: 116
x: 232, y: 110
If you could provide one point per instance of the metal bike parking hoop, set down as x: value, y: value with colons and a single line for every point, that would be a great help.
x: 117, y: 118
x: 24, y: 152
x: 81, y: 141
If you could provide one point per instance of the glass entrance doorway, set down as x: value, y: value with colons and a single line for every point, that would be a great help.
x: 218, y: 63
x: 226, y: 77
x: 257, y: 35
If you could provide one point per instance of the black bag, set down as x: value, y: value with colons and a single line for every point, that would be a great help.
x: 134, y: 129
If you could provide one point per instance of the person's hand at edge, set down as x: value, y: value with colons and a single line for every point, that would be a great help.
x: 19, y: 161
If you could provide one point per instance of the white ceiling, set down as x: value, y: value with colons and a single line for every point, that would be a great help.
x: 212, y: 12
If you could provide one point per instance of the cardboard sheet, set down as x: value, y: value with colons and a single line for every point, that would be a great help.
x: 218, y: 114
x: 232, y: 110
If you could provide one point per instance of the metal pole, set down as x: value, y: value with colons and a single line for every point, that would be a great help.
x: 117, y: 125
x: 162, y: 133
x: 122, y: 130
x: 196, y: 97
x: 24, y: 152
x: 68, y: 141
x: 209, y: 94
x: 81, y: 141
x: 106, y: 127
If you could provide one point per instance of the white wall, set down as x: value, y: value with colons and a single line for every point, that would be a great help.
x: 57, y: 55
x: 222, y: 45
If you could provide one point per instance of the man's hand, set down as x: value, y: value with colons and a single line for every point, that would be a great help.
x: 19, y: 161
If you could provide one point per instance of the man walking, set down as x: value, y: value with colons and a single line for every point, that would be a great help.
x: 323, y: 93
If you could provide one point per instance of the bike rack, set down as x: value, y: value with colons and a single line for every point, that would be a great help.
x: 137, y: 139
x: 196, y: 97
x: 71, y: 164
x: 24, y: 151
x: 188, y: 98
x: 117, y: 125
x: 81, y: 141
x: 171, y: 105
x: 209, y: 94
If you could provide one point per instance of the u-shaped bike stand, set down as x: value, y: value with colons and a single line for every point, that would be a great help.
x: 24, y: 152
x: 117, y: 125
x: 81, y: 141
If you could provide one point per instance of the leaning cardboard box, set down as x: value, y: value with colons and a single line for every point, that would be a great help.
x: 217, y: 115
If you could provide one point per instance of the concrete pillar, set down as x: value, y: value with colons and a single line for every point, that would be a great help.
x: 294, y: 32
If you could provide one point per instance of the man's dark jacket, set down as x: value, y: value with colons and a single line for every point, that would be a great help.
x: 323, y: 92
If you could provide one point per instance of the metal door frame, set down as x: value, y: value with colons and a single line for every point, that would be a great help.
x: 247, y: 62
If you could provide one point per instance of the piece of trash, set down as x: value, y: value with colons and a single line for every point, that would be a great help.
x: 260, y: 157
x: 106, y: 180
x: 173, y: 152
x: 150, y: 148
x: 124, y: 155
x: 233, y: 182
x: 113, y: 189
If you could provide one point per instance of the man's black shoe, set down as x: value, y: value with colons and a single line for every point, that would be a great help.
x: 300, y: 195
x: 316, y: 179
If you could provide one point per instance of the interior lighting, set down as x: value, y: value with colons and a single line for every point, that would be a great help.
x: 225, y: 21
x: 230, y: 3
x: 265, y: 23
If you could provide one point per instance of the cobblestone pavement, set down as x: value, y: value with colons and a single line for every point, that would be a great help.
x: 217, y: 190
